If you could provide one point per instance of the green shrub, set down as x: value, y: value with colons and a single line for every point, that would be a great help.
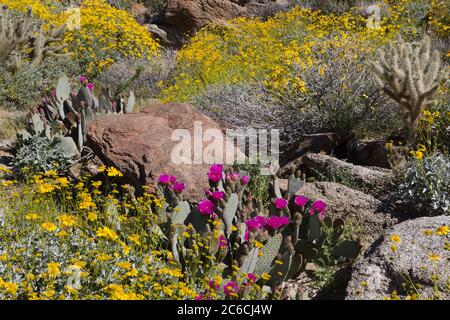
x: 23, y: 89
x: 148, y: 84
x: 339, y: 89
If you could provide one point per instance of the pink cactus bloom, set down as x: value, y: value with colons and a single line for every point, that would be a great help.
x: 217, y: 195
x: 164, y: 179
x: 235, y: 176
x: 251, y: 278
x: 230, y: 288
x: 256, y: 223
x: 206, y: 207
x: 223, y: 242
x: 90, y: 86
x: 319, y: 207
x: 280, y: 203
x: 245, y: 180
x: 178, y: 187
x: 215, y: 172
x: 247, y: 235
x: 275, y: 222
x: 172, y: 179
x: 83, y: 79
x: 301, y: 201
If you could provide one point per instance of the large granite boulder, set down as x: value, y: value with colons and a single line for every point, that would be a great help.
x: 141, y: 145
x: 192, y: 15
x: 414, y: 252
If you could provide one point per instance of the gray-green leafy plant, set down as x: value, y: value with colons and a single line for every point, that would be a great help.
x: 39, y: 154
x: 410, y: 74
x: 425, y: 185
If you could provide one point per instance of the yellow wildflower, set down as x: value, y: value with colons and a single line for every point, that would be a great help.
x: 442, y: 230
x: 53, y: 269
x: 48, y: 226
x: 113, y: 172
x: 396, y: 238
x: 106, y: 233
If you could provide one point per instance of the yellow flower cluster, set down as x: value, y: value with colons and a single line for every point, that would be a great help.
x: 80, y: 250
x: 273, y: 52
x: 440, y: 17
x: 105, y: 35
x: 419, y: 153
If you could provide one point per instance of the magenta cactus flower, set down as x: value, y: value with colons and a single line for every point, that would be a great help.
x: 256, y: 223
x: 280, y: 203
x: 217, y: 195
x: 172, y: 179
x: 251, y: 278
x: 164, y: 178
x: 247, y: 235
x: 235, y: 176
x: 275, y: 222
x: 90, y: 86
x: 206, y: 207
x: 320, y: 207
x: 215, y: 172
x: 301, y: 201
x: 223, y: 242
x: 83, y: 79
x: 230, y: 288
x: 245, y: 180
x: 178, y: 187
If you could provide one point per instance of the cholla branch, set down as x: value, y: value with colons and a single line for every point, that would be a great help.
x: 410, y: 74
x: 25, y: 38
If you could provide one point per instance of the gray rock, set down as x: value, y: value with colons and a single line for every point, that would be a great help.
x: 326, y: 142
x: 368, y: 216
x: 373, y: 180
x: 384, y: 270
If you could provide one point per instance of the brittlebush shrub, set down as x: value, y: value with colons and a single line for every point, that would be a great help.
x: 267, y: 52
x: 286, y: 60
x: 274, y: 52
x: 293, y: 57
x: 106, y: 34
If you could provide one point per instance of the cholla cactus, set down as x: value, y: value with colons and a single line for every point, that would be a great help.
x: 26, y: 36
x: 409, y: 74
